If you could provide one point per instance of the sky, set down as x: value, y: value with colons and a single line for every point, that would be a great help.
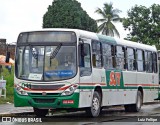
x: 23, y: 15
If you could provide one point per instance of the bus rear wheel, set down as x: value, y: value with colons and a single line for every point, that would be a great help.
x: 137, y: 106
x: 40, y: 112
x: 95, y: 108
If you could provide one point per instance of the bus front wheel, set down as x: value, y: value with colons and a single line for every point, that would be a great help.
x: 40, y: 112
x: 95, y: 108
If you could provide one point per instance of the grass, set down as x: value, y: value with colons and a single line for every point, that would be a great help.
x: 8, y: 99
x: 9, y: 77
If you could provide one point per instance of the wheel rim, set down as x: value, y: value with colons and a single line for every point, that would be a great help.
x: 95, y: 104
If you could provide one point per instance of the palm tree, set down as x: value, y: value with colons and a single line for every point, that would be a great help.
x: 109, y: 15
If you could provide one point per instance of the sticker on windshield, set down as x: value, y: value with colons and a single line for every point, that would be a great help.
x: 34, y: 76
x: 59, y: 73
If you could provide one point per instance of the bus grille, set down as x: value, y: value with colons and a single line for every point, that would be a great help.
x: 40, y: 94
x: 44, y: 100
x: 46, y: 87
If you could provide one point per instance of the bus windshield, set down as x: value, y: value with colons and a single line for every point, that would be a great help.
x: 46, y: 63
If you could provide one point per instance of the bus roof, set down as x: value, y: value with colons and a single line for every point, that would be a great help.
x: 108, y: 39
x: 136, y: 45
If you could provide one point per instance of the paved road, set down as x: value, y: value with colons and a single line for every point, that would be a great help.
x: 113, y: 116
x: 10, y: 109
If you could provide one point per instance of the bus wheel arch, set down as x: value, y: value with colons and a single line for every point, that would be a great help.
x: 99, y: 90
x: 95, y: 108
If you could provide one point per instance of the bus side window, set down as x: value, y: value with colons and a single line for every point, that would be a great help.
x: 155, y: 62
x: 84, y: 60
x: 140, y: 60
x: 120, y: 57
x: 109, y: 60
x: 148, y: 60
x: 107, y: 56
x: 130, y: 57
x: 97, y: 54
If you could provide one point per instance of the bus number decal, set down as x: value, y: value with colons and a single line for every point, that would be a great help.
x: 115, y: 78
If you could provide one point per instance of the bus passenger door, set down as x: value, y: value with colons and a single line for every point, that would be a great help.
x: 85, y: 71
x: 99, y: 74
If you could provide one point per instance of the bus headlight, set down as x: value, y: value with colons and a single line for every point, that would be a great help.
x: 70, y: 90
x: 20, y: 90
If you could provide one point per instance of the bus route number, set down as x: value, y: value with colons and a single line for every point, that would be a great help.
x: 115, y: 78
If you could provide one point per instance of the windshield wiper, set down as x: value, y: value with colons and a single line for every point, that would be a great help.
x: 54, y: 53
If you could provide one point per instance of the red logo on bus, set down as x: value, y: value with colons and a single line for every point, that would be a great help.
x: 115, y: 78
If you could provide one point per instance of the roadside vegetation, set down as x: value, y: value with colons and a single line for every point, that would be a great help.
x: 9, y: 77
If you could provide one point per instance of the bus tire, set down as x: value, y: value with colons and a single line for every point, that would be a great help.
x: 137, y: 106
x: 139, y: 100
x: 95, y: 108
x: 40, y: 112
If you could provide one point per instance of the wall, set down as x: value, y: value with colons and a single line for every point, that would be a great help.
x: 3, y: 48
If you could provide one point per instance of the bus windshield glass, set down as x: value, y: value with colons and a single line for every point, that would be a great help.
x: 46, y: 63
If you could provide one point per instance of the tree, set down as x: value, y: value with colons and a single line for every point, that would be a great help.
x: 143, y: 24
x: 68, y: 14
x: 109, y: 15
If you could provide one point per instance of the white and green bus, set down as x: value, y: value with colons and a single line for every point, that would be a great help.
x: 81, y: 70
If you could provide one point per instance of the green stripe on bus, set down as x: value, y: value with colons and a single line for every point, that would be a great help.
x: 110, y: 88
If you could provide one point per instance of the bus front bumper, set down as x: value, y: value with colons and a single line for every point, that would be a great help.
x: 46, y: 102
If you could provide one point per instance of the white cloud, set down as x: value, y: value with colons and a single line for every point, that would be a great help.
x: 20, y: 15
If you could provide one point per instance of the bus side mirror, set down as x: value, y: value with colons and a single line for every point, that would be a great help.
x: 158, y: 54
x: 82, y: 54
x: 7, y: 57
x: 83, y: 50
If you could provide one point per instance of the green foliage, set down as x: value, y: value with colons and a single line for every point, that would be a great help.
x: 68, y: 14
x: 109, y: 15
x: 8, y: 99
x: 143, y: 24
x: 9, y: 77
